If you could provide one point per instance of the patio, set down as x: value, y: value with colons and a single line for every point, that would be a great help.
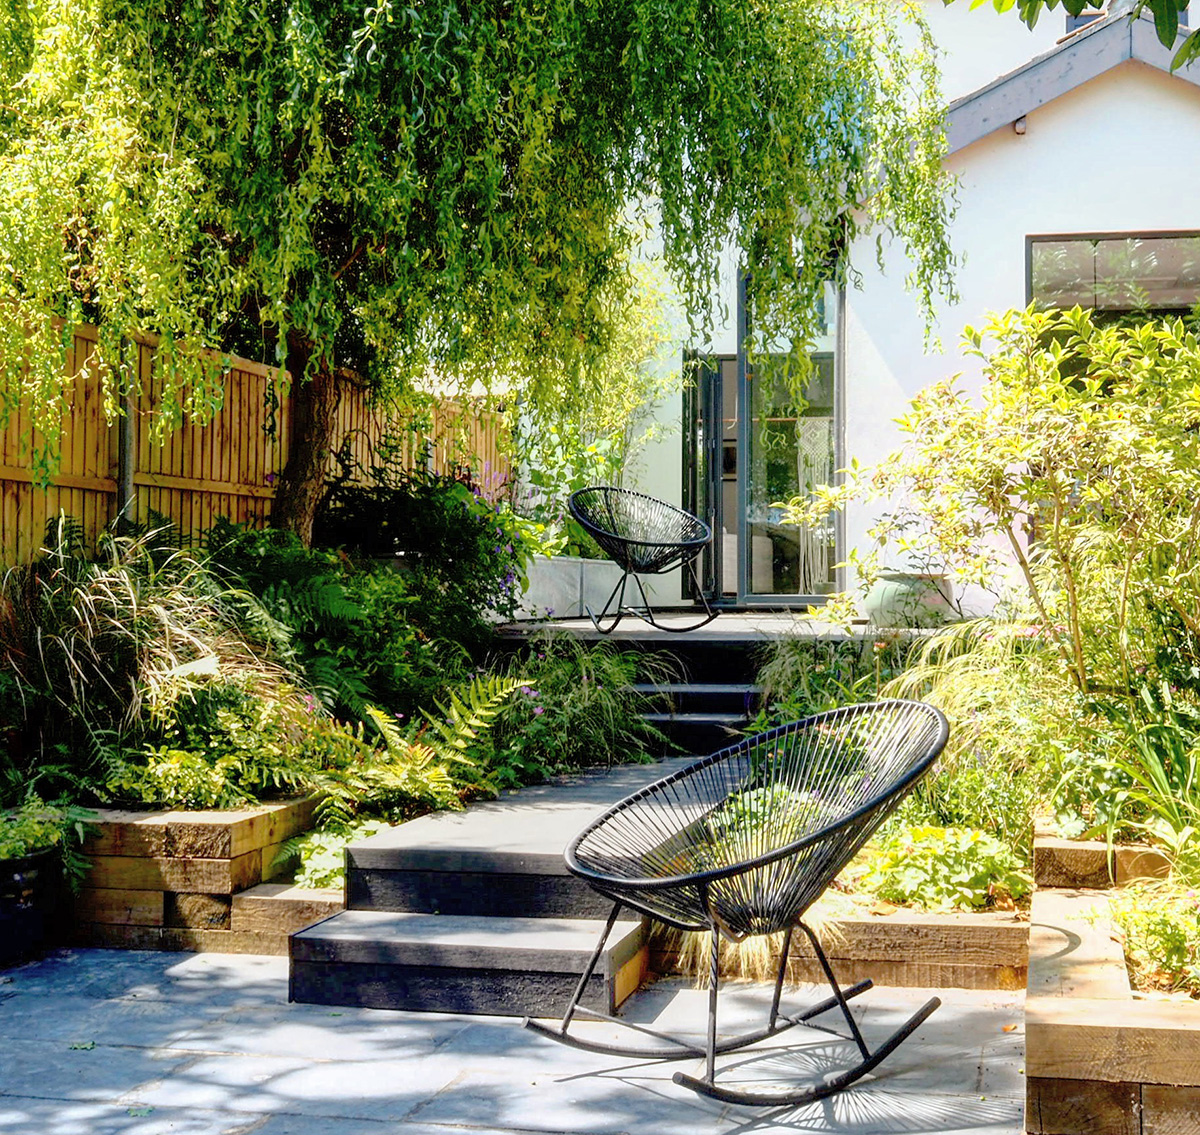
x: 101, y: 1042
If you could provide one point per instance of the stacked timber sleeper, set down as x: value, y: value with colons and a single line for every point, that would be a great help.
x: 194, y: 881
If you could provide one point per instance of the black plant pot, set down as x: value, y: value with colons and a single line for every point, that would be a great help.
x: 29, y: 894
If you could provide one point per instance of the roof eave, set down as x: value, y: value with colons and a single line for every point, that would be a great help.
x: 1076, y: 60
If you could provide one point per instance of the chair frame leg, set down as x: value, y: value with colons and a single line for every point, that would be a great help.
x: 645, y: 612
x: 678, y: 1049
x: 870, y: 1059
x: 598, y: 620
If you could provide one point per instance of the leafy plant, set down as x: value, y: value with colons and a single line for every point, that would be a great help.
x: 942, y: 869
x: 1078, y: 466
x: 575, y: 707
x: 802, y: 676
x: 1155, y: 792
x: 1086, y: 440
x: 462, y: 556
x: 1160, y: 921
x: 356, y: 630
x: 322, y: 854
x: 92, y: 650
x: 417, y: 768
x: 37, y: 826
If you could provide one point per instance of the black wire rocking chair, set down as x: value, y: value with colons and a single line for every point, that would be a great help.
x: 643, y: 536
x: 741, y: 843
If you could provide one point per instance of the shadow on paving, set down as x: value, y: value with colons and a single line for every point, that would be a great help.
x: 117, y: 1043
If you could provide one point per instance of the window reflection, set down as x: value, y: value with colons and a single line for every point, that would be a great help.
x: 1117, y: 273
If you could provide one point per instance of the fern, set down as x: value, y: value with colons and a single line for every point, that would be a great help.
x: 314, y: 603
x: 465, y: 717
x: 336, y: 681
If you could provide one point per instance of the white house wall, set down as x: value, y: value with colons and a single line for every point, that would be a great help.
x: 1119, y: 154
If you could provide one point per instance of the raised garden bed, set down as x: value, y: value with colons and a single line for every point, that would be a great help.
x: 193, y: 881
x: 906, y: 948
x: 1097, y: 1059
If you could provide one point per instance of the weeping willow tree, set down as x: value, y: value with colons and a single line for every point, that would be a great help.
x: 454, y: 187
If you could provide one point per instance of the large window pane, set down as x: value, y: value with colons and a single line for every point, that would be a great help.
x: 791, y: 450
x: 1116, y: 273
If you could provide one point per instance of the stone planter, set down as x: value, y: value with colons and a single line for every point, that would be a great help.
x: 563, y: 587
x: 29, y: 897
x: 904, y: 599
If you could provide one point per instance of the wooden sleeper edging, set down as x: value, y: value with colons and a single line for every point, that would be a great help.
x: 172, y: 880
x: 1097, y: 1059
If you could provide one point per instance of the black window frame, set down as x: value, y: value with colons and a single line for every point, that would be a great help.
x: 1137, y: 234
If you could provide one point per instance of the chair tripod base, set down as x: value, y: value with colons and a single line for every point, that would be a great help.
x: 681, y: 1049
x: 776, y: 1023
x: 644, y: 612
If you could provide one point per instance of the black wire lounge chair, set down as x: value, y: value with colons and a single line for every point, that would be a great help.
x: 741, y: 843
x: 643, y: 536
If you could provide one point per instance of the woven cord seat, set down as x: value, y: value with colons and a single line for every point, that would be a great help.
x: 642, y: 536
x: 742, y: 843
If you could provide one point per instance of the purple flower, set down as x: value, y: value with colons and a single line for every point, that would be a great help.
x: 539, y: 709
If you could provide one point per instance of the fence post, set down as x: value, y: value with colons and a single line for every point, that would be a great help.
x: 127, y: 459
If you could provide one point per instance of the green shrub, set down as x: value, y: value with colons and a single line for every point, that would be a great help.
x: 575, y: 708
x: 356, y: 629
x: 942, y: 869
x: 803, y: 676
x: 1078, y: 464
x: 1161, y: 925
x: 461, y: 557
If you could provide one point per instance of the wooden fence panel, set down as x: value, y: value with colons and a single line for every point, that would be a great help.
x: 227, y: 467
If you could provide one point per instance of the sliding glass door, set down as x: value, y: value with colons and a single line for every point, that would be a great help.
x: 757, y: 439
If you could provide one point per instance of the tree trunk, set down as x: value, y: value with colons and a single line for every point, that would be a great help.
x: 314, y: 415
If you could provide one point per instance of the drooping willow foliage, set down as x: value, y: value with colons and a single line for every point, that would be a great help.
x: 449, y: 186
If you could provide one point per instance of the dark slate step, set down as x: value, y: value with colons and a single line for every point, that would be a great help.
x: 502, y: 858
x: 446, y: 964
x: 543, y: 894
x: 700, y: 734
x: 697, y: 697
x: 707, y: 659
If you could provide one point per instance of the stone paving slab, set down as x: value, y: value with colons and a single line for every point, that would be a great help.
x: 523, y: 831
x: 207, y: 1044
